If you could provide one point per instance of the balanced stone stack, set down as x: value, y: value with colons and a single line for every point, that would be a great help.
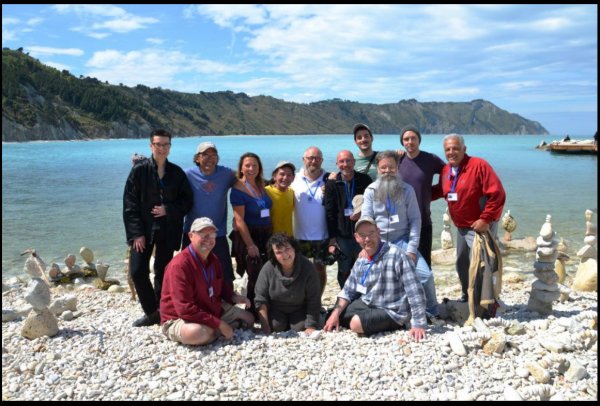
x: 544, y: 289
x: 89, y: 269
x: 446, y: 236
x: 41, y: 321
x: 586, y: 279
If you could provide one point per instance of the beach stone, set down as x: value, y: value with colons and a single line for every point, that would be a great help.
x: 539, y: 285
x: 546, y: 231
x: 534, y: 305
x: 549, y: 277
x: 515, y: 328
x: 587, y: 251
x: 545, y: 296
x: 495, y: 344
x: 575, y: 372
x: 586, y: 278
x: 541, y: 242
x: 116, y: 289
x: 543, y: 266
x: 38, y: 294
x: 102, y: 270
x: 87, y: 255
x: 9, y: 315
x: 456, y: 344
x: 539, y: 373
x: 39, y: 323
x: 511, y: 394
x: 443, y: 257
x: 454, y: 310
x: 560, y: 270
x: 590, y: 240
x: 67, y: 315
x: 64, y: 303
x: 522, y: 244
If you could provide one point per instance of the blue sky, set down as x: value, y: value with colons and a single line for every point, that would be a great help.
x: 539, y: 61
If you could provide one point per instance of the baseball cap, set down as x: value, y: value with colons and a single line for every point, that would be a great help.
x: 201, y: 223
x: 361, y: 126
x: 281, y: 164
x: 365, y: 219
x: 203, y: 146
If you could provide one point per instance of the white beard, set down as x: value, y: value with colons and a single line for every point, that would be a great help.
x: 388, y: 186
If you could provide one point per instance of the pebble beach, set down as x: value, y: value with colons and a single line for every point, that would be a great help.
x: 97, y: 355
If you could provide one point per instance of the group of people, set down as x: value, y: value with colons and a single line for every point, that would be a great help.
x: 372, y: 215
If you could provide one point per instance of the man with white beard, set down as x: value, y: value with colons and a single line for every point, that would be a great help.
x: 393, y: 204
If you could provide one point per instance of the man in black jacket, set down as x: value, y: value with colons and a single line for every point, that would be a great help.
x: 157, y: 196
x: 339, y: 193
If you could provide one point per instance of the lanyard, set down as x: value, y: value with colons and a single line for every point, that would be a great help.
x: 349, y: 197
x: 364, y: 278
x: 161, y: 189
x: 255, y: 195
x: 312, y: 194
x: 212, y: 271
x: 391, y: 208
x: 455, y: 179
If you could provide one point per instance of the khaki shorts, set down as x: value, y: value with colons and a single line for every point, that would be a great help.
x: 172, y: 328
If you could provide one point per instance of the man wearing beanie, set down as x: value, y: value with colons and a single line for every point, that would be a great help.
x: 365, y: 162
x: 417, y: 169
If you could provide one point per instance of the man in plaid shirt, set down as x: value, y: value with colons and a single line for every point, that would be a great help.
x: 382, y: 292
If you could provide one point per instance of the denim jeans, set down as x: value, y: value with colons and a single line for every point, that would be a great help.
x: 425, y: 277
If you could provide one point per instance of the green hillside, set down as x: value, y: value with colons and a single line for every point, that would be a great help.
x: 43, y: 103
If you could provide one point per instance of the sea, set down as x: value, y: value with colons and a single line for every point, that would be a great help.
x: 58, y: 196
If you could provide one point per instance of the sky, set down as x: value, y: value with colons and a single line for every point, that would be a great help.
x: 538, y: 61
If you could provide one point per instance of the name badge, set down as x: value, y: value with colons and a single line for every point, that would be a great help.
x: 210, y: 291
x: 265, y: 213
x: 394, y: 218
x: 452, y: 197
x: 361, y: 289
x: 348, y: 212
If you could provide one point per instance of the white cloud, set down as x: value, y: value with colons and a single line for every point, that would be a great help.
x: 550, y: 24
x: 156, y: 41
x: 59, y: 66
x: 34, y: 21
x: 112, y: 19
x: 160, y: 68
x: 38, y: 50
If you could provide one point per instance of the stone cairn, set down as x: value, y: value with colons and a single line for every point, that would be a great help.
x: 89, y: 269
x: 586, y: 279
x: 446, y: 236
x: 40, y: 321
x: 545, y: 289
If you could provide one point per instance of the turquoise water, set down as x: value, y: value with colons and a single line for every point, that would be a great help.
x: 58, y: 196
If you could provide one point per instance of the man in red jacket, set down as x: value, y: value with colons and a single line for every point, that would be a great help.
x: 196, y: 306
x: 475, y: 199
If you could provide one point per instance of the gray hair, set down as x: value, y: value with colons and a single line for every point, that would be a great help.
x: 387, y: 154
x: 460, y: 139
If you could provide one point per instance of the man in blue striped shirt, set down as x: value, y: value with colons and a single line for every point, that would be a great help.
x: 382, y: 292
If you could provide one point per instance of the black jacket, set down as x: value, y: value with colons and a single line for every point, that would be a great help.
x: 338, y: 224
x: 143, y: 191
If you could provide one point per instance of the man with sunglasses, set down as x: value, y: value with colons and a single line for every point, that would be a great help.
x: 156, y: 198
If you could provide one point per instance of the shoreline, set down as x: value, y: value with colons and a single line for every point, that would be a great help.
x: 99, y: 356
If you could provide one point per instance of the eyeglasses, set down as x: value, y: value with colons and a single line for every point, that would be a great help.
x: 313, y: 158
x: 363, y: 236
x: 159, y: 145
x: 206, y: 235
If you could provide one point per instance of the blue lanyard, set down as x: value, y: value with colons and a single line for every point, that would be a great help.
x: 161, y: 188
x: 349, y: 197
x: 362, y: 281
x: 199, y: 263
x: 455, y: 179
x: 391, y: 208
x: 259, y: 201
x: 312, y: 194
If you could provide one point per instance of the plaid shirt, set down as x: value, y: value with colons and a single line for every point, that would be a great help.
x: 392, y: 285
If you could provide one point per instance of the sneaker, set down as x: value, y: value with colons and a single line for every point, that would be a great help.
x: 148, y: 320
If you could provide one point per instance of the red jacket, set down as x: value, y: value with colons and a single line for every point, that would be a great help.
x: 476, y: 180
x: 184, y: 292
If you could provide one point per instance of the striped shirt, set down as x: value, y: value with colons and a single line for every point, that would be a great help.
x: 391, y: 284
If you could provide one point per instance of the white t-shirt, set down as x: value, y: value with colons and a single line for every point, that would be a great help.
x: 310, y: 222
